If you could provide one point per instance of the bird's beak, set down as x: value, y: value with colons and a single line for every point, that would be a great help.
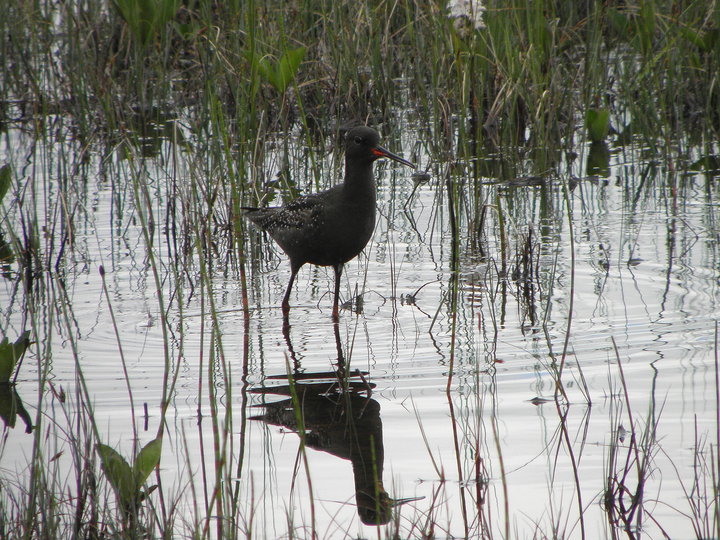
x: 379, y: 152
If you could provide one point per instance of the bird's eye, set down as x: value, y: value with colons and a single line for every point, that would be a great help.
x: 358, y: 139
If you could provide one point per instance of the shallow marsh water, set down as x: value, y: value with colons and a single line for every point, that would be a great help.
x: 625, y: 295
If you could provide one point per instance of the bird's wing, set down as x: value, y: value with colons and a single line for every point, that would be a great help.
x: 301, y: 213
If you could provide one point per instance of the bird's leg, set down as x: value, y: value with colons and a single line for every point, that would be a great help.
x: 286, y: 299
x: 341, y: 357
x: 288, y: 342
x: 338, y: 272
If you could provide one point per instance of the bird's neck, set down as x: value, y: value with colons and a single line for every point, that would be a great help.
x: 359, y: 183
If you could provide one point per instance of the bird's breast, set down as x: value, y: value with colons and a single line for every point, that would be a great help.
x: 342, y: 233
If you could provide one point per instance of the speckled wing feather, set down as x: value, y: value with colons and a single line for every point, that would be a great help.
x: 301, y: 215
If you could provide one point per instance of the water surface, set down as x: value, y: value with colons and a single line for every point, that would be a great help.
x: 461, y: 361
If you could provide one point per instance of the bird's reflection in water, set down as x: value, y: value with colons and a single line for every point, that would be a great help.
x: 339, y: 417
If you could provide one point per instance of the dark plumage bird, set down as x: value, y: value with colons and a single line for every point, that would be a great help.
x: 331, y: 227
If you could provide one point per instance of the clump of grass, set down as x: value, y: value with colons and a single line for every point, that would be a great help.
x: 526, y: 76
x: 630, y: 462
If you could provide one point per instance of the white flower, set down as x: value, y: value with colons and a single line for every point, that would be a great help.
x: 467, y: 13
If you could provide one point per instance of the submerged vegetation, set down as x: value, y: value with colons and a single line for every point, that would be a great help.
x: 185, y: 111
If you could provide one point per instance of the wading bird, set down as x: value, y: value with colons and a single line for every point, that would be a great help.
x: 331, y: 227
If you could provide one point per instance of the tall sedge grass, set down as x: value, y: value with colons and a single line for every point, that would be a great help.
x: 529, y: 74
